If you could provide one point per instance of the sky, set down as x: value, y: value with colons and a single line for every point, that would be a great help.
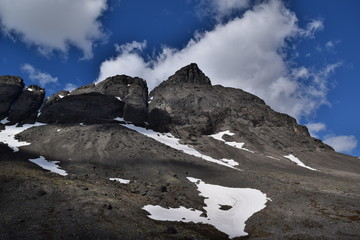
x: 300, y: 56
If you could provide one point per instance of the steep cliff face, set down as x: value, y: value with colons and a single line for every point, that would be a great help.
x: 10, y: 89
x: 132, y: 91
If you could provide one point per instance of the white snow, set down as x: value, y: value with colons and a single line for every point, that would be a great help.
x: 169, y: 140
x: 30, y: 89
x: 243, y: 203
x: 58, y: 130
x: 7, y: 136
x: 4, y: 121
x: 219, y: 136
x: 120, y: 180
x: 150, y: 99
x: 298, y: 162
x: 60, y: 96
x: 118, y: 98
x: 81, y: 124
x: 273, y: 158
x: 49, y: 165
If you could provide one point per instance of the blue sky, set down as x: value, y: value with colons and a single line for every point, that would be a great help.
x: 300, y: 56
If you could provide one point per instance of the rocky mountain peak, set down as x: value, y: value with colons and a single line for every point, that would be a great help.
x: 190, y: 74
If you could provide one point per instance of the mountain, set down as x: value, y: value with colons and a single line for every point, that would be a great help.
x: 189, y: 160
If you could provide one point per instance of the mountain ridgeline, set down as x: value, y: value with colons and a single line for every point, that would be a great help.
x: 186, y: 104
x: 199, y: 162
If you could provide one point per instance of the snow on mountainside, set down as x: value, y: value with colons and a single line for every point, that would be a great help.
x: 189, y: 160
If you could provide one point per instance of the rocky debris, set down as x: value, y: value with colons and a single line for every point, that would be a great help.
x: 10, y: 89
x: 25, y: 109
x: 187, y: 105
x: 84, y: 108
x: 132, y: 91
x: 54, y: 98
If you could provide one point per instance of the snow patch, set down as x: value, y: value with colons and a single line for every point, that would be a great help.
x: 7, y: 135
x: 273, y: 158
x: 298, y: 162
x: 242, y: 204
x: 169, y: 140
x: 150, y: 100
x: 49, y: 165
x: 60, y: 96
x: 120, y: 180
x: 118, y: 98
x: 219, y: 136
x: 4, y: 121
x: 81, y: 124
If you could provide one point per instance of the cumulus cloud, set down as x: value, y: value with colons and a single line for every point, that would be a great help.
x: 343, y: 144
x: 314, y: 128
x: 246, y: 53
x: 54, y: 25
x: 36, y: 75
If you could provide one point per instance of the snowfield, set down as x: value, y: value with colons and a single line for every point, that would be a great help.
x: 7, y: 136
x: 227, y: 209
x: 49, y: 165
x: 169, y: 140
x: 219, y: 136
x: 298, y: 162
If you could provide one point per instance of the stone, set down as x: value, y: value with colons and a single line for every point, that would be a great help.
x: 25, y: 109
x: 10, y: 89
x: 132, y: 91
x: 84, y: 108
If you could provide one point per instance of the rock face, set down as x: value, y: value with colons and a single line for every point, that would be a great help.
x: 132, y: 91
x: 187, y: 105
x: 25, y: 109
x: 53, y: 99
x: 10, y: 89
x: 83, y: 108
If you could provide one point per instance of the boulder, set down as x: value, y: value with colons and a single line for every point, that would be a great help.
x: 53, y: 99
x: 10, y: 89
x: 83, y: 108
x: 132, y: 91
x: 25, y: 109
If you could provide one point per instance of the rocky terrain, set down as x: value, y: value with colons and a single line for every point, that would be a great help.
x: 185, y: 128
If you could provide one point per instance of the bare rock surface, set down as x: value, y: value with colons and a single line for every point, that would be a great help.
x: 193, y: 108
x: 132, y: 91
x: 10, y: 89
x: 83, y: 108
x: 25, y: 109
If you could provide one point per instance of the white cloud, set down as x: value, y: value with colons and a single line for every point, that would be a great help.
x: 220, y: 8
x: 343, y: 144
x: 54, y: 25
x: 36, y: 75
x: 314, y: 128
x: 247, y: 53
x: 69, y: 87
x: 313, y: 27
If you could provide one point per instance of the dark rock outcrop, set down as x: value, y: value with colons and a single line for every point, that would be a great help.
x: 187, y: 105
x: 83, y: 108
x: 10, y: 89
x: 25, y: 109
x: 53, y: 99
x: 132, y: 91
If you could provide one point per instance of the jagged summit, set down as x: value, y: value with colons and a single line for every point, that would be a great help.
x: 190, y: 74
